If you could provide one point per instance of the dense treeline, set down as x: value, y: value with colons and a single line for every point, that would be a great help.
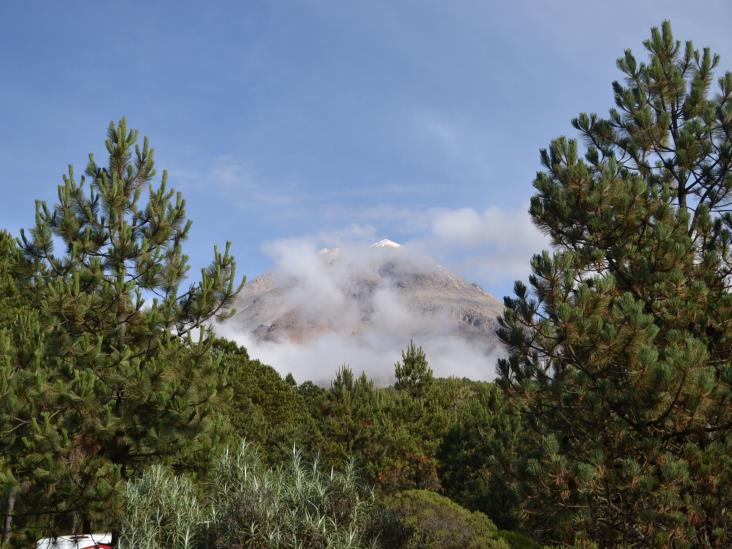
x: 609, y: 423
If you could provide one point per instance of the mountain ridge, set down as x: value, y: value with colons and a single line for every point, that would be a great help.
x: 385, y: 283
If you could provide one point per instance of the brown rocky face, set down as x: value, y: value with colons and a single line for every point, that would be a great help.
x: 432, y: 300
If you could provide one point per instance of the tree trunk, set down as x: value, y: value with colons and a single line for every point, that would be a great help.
x: 8, y: 520
x: 86, y: 525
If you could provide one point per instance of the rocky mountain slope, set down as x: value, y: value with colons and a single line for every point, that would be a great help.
x: 384, y: 289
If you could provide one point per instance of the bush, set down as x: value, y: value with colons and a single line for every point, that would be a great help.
x: 161, y: 510
x: 517, y: 540
x: 294, y: 506
x: 434, y: 521
x: 249, y: 505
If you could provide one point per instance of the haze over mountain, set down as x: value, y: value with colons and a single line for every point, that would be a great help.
x: 361, y: 305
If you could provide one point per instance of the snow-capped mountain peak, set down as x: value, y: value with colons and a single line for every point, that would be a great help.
x: 362, y: 306
x: 386, y: 243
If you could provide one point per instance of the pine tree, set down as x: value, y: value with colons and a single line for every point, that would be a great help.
x: 478, y: 453
x: 18, y: 328
x: 124, y: 354
x: 413, y: 374
x: 621, y: 350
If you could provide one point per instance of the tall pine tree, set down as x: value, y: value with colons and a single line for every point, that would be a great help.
x: 413, y: 374
x: 124, y: 354
x: 621, y: 349
x: 22, y: 391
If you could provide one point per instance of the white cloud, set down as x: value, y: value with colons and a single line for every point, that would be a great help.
x: 318, y: 360
x: 463, y: 226
x: 330, y: 291
x: 505, y: 228
x: 493, y: 246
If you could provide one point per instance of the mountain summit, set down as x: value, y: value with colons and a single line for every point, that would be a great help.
x: 386, y: 243
x: 382, y: 295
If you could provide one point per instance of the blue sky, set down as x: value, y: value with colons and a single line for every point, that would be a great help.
x: 419, y: 121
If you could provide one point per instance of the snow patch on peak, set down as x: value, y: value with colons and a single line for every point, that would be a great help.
x: 386, y: 243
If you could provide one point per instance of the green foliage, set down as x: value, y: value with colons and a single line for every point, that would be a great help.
x: 393, y: 434
x: 620, y: 352
x: 293, y: 506
x: 264, y: 408
x: 478, y: 455
x: 452, y: 435
x: 15, y: 292
x: 103, y: 380
x: 413, y: 373
x: 161, y: 510
x: 434, y: 521
x: 248, y: 504
x: 346, y: 414
x: 19, y: 390
x: 245, y: 503
x: 517, y: 540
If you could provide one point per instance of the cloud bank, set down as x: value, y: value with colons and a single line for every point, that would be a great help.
x: 349, y: 312
x: 345, y: 312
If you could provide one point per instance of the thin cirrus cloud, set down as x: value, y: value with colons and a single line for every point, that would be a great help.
x: 236, y: 181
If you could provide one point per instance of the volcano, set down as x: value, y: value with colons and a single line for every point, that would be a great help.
x: 382, y: 290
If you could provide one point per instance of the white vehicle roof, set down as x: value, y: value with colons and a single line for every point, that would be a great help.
x: 85, y: 541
